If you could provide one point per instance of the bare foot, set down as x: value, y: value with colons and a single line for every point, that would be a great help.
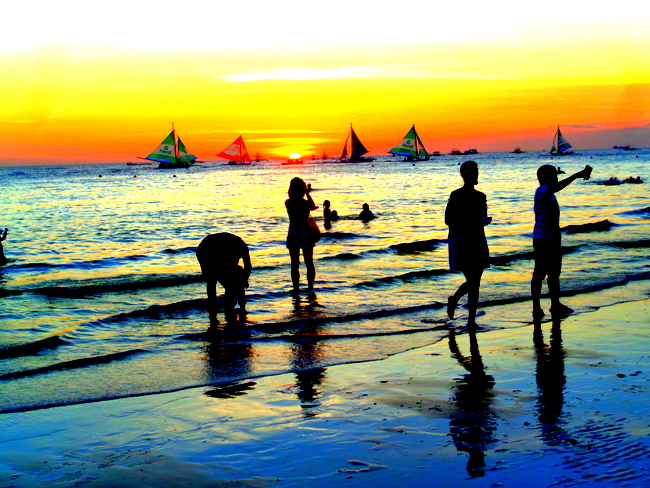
x: 561, y: 309
x: 451, y: 306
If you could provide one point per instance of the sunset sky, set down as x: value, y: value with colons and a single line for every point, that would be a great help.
x: 96, y: 82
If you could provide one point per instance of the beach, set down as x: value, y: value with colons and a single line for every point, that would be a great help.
x: 560, y: 403
x: 113, y: 373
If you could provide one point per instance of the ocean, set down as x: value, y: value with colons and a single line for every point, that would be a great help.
x: 102, y: 297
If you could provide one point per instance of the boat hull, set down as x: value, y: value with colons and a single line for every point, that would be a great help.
x: 174, y: 165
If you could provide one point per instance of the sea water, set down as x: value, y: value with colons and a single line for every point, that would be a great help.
x: 103, y: 298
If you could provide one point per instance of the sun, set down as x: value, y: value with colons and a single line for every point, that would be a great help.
x: 294, y: 155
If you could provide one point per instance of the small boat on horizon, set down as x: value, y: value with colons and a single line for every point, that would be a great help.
x: 470, y: 151
x: 171, y: 153
x: 518, y: 150
x: 560, y: 146
x: 411, y: 147
x: 626, y: 147
x: 357, y: 150
x: 132, y: 163
x: 290, y: 162
x: 236, y: 153
x: 455, y: 152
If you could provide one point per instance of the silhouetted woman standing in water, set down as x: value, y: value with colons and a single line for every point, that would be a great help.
x: 466, y: 216
x: 299, y: 236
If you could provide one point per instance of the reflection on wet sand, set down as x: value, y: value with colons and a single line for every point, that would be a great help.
x: 228, y: 351
x: 307, y: 353
x: 472, y: 423
x: 551, y: 382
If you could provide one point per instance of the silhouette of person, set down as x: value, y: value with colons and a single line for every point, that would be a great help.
x: 366, y: 214
x: 3, y: 259
x: 334, y: 216
x: 219, y: 255
x: 298, y: 237
x: 472, y: 424
x: 327, y: 215
x: 466, y: 216
x: 547, y: 240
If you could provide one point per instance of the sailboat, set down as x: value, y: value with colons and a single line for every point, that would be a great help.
x: 411, y: 147
x: 357, y: 150
x: 560, y: 145
x: 171, y: 153
x: 236, y: 153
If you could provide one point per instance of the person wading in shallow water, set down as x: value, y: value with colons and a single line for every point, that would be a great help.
x: 547, y: 240
x: 466, y: 216
x: 219, y: 255
x: 3, y: 259
x: 299, y: 237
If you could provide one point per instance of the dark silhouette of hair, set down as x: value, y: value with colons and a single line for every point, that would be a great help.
x: 546, y: 174
x: 467, y: 169
x: 297, y: 188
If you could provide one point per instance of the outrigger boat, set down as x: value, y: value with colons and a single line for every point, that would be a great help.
x: 236, y: 153
x: 171, y: 153
x: 560, y: 145
x: 357, y: 150
x: 411, y: 147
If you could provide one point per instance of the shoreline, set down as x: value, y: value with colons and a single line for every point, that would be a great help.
x: 561, y: 403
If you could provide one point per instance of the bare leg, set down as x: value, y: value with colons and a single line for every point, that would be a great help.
x: 536, y: 290
x: 308, y: 256
x: 294, y: 253
x: 211, y: 291
x: 473, y: 283
x: 452, y: 301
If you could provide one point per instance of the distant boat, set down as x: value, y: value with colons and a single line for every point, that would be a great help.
x: 560, y: 145
x: 171, y: 153
x: 357, y: 150
x: 236, y: 153
x: 258, y: 158
x: 518, y: 150
x: 455, y: 152
x: 411, y: 147
x: 626, y: 147
x: 131, y: 163
x: 324, y: 156
x: 470, y: 151
x: 292, y: 162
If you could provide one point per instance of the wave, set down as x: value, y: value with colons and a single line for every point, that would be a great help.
x: 643, y: 212
x: 31, y: 348
x: 600, y: 226
x: 339, y: 236
x: 73, y: 364
x: 417, y: 246
x: 118, y: 284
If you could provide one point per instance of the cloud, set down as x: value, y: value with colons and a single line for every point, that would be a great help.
x: 346, y: 73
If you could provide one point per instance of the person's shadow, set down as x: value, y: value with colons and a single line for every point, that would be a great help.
x: 307, y: 353
x: 551, y: 382
x: 472, y: 424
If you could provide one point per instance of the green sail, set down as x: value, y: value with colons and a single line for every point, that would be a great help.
x: 410, y: 146
x: 165, y: 152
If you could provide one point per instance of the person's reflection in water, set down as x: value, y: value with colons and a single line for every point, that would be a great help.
x: 307, y: 354
x: 228, y: 351
x: 551, y: 381
x: 472, y: 423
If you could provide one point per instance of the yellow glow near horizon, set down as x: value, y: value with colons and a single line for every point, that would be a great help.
x: 294, y: 155
x: 92, y: 84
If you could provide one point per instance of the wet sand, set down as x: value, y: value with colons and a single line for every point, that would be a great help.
x: 560, y: 403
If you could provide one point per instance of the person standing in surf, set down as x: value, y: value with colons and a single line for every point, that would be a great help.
x: 3, y: 259
x: 547, y: 239
x: 299, y: 236
x: 466, y: 216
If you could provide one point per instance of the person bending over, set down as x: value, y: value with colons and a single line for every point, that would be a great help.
x: 219, y: 255
x: 547, y: 240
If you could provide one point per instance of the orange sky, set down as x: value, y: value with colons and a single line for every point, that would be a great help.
x: 92, y: 83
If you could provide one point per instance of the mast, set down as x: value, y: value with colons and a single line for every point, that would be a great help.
x: 175, y: 145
